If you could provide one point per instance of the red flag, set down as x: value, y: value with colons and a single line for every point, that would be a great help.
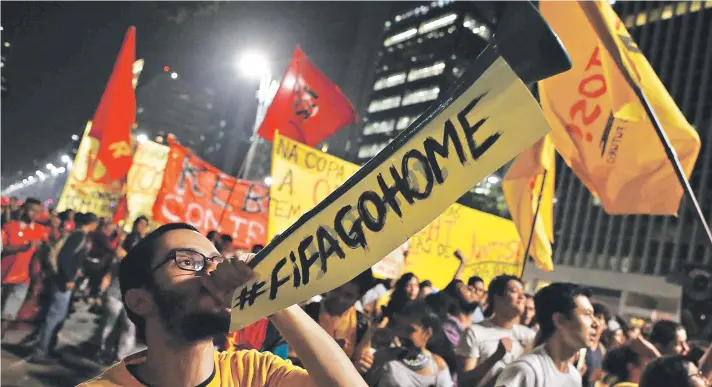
x: 117, y: 112
x: 308, y: 107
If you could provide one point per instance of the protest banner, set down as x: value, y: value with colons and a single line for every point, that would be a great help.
x: 88, y: 187
x: 197, y: 193
x: 487, y: 118
x: 490, y: 246
x: 301, y: 178
x: 144, y: 180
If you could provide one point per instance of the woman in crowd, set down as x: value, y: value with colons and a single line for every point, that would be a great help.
x: 405, y: 291
x: 414, y: 361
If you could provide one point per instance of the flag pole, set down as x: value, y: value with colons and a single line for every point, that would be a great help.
x: 536, y: 215
x: 674, y: 160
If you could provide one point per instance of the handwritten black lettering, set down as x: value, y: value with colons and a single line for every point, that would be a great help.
x: 470, y: 130
x: 432, y: 148
x: 306, y: 262
x: 376, y: 223
x: 275, y: 281
x: 354, y: 237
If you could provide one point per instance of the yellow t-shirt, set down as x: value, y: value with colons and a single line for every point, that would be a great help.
x: 232, y: 369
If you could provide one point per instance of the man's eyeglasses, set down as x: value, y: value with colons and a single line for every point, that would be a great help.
x: 190, y: 260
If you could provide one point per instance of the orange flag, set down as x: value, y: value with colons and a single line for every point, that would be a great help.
x: 117, y: 112
x: 532, y: 174
x: 308, y: 107
x: 599, y: 125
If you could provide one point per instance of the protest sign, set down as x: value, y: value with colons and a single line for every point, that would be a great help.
x: 419, y: 175
x: 88, y: 187
x: 490, y: 246
x: 198, y: 193
x: 487, y: 118
x: 144, y: 179
x: 301, y: 178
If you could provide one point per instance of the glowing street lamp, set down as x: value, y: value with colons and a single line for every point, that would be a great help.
x: 253, y: 64
x: 65, y: 159
x: 141, y: 138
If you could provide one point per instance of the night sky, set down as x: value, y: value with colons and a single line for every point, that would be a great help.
x: 61, y: 55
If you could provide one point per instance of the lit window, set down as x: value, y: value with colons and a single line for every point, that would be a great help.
x: 400, y: 37
x: 404, y: 121
x: 421, y: 95
x: 476, y: 27
x: 681, y: 8
x: 667, y: 12
x: 629, y: 21
x: 379, y: 127
x: 389, y: 81
x: 440, y: 22
x: 384, y: 104
x: 370, y: 150
x: 641, y: 19
x: 424, y: 72
x: 695, y: 6
x: 708, y: 4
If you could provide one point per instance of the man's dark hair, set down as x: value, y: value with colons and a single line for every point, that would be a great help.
x: 559, y: 297
x: 474, y: 279
x: 137, y: 221
x: 257, y: 248
x: 666, y: 371
x: 226, y: 238
x: 426, y: 284
x: 616, y: 361
x: 30, y: 202
x: 212, y: 234
x: 601, y: 310
x: 498, y: 287
x: 664, y: 332
x: 82, y: 219
x: 135, y: 270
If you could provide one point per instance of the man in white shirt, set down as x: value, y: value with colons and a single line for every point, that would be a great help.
x: 487, y: 347
x: 567, y: 324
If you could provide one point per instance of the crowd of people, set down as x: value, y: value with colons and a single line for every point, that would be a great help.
x: 162, y: 300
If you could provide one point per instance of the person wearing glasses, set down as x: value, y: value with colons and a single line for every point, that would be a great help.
x: 477, y: 284
x: 176, y: 288
x: 672, y: 370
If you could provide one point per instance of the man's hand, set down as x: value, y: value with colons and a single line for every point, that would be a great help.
x: 364, y: 362
x: 69, y: 286
x: 458, y: 255
x: 228, y: 276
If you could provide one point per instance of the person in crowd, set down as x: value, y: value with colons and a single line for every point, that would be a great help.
x: 528, y: 317
x: 98, y: 261
x: 669, y: 337
x: 477, y: 284
x: 566, y: 325
x: 257, y: 248
x: 114, y: 316
x: 69, y: 260
x: 622, y: 367
x: 12, y: 212
x: 461, y: 303
x: 672, y: 370
x: 67, y: 218
x: 381, y: 289
x: 337, y: 315
x: 138, y: 232
x: 55, y: 231
x: 485, y: 348
x: 405, y: 291
x: 596, y: 352
x: 20, y: 239
x: 175, y: 288
x: 215, y: 239
x: 426, y: 289
x: 613, y: 338
x: 227, y: 248
x: 413, y: 363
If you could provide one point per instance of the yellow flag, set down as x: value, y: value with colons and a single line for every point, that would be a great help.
x: 599, y: 125
x: 532, y: 173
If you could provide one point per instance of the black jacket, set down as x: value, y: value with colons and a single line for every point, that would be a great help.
x: 70, y: 258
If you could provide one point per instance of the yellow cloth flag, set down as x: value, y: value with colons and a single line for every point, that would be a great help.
x: 599, y: 125
x: 531, y: 173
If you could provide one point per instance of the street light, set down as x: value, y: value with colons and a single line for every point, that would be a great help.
x: 253, y: 64
x: 65, y: 159
x: 268, y: 180
x: 174, y: 75
x: 50, y: 166
x: 141, y: 138
x: 75, y: 137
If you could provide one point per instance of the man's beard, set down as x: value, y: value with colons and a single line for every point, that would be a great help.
x: 192, y: 326
x: 468, y: 307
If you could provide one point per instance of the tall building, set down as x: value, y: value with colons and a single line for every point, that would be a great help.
x: 634, y: 261
x: 424, y: 49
